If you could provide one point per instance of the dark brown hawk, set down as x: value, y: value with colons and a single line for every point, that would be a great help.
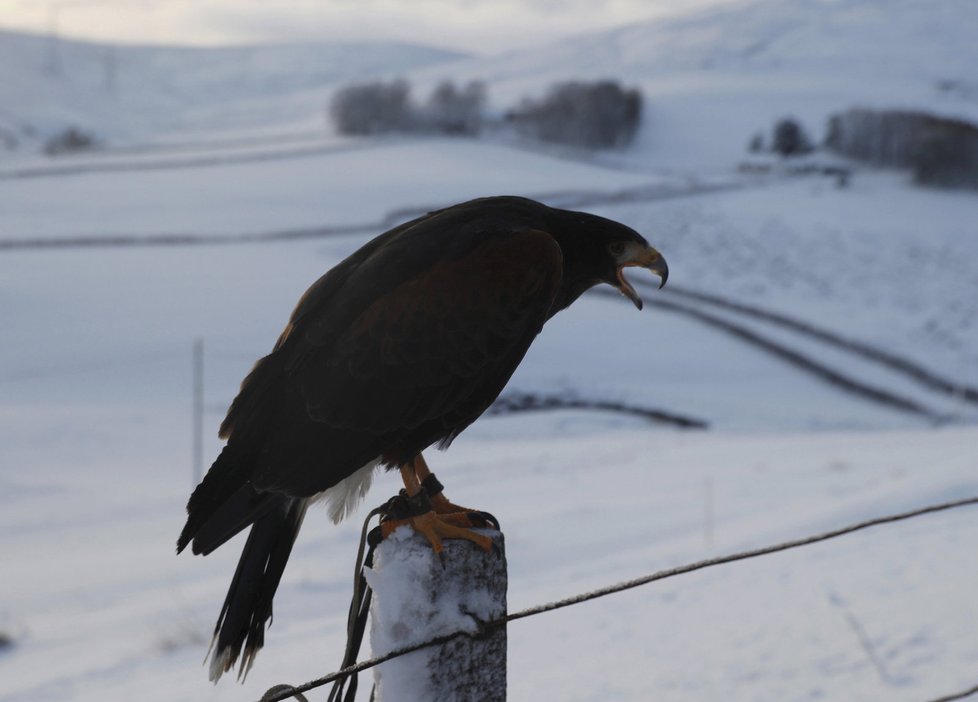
x: 399, y: 347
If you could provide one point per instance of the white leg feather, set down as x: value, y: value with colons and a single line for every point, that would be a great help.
x: 344, y: 497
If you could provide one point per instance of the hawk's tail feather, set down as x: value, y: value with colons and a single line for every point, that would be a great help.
x: 223, y: 483
x: 240, y: 628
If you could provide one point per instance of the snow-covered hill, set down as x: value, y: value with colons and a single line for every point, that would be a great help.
x: 894, y: 39
x: 712, y: 78
x: 123, y: 93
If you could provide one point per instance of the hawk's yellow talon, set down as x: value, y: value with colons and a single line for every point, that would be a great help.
x: 435, y: 528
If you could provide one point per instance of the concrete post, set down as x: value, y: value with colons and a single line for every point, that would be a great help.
x: 416, y: 597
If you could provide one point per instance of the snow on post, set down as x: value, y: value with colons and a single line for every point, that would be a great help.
x: 417, y: 598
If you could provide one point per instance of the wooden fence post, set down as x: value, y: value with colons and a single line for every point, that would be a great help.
x: 417, y: 597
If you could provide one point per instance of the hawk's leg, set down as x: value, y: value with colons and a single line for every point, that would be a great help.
x: 433, y: 526
x: 439, y: 503
x: 460, y: 516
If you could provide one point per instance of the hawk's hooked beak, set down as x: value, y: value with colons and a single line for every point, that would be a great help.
x: 646, y: 257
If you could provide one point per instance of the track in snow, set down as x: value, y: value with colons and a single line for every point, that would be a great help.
x: 726, y: 316
x: 567, y: 199
x: 910, y: 369
x: 515, y: 402
x: 101, y: 162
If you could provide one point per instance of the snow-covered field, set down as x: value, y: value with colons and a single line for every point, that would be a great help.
x: 95, y: 387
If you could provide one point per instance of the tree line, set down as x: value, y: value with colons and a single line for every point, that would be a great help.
x: 599, y: 114
x: 938, y: 151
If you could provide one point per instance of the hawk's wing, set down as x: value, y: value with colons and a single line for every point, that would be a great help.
x: 409, y: 348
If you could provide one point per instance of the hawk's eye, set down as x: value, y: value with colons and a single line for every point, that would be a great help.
x: 617, y: 247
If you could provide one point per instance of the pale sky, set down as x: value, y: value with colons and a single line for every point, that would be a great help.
x: 478, y: 26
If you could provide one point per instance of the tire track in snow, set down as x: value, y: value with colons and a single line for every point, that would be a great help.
x: 910, y: 369
x: 808, y: 364
x: 821, y: 371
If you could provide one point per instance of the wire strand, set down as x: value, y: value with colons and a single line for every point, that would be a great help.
x: 487, y: 627
x: 957, y: 695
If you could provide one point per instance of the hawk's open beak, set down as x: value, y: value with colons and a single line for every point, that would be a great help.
x: 646, y: 257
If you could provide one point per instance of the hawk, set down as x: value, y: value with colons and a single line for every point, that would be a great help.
x: 399, y: 347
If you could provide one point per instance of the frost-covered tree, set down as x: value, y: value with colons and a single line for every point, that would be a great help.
x: 789, y: 138
x: 372, y: 108
x: 879, y: 137
x: 69, y: 140
x: 452, y: 110
x: 939, y: 150
x: 595, y: 115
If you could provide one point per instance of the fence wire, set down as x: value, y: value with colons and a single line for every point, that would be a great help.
x: 957, y: 695
x: 284, y: 692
